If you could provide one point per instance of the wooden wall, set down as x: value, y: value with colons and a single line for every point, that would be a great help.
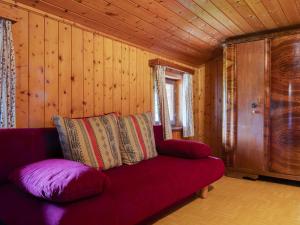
x: 70, y: 70
x: 67, y: 69
x: 208, y: 98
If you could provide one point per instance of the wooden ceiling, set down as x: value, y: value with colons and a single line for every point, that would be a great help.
x: 187, y: 30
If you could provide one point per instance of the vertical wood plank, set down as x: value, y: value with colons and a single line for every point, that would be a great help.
x: 132, y: 84
x: 20, y: 36
x: 51, y: 70
x: 36, y: 71
x: 147, y: 82
x: 140, y: 84
x: 65, y: 69
x: 117, y: 76
x: 151, y: 83
x: 77, y: 72
x: 108, y: 75
x: 200, y: 102
x: 125, y: 79
x: 98, y: 75
x: 88, y: 58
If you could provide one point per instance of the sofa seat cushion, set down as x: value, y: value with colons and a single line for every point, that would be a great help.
x: 137, y: 138
x: 20, y: 208
x: 93, y: 141
x: 148, y: 187
x: 136, y: 193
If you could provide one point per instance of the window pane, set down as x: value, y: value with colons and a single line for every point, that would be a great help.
x: 171, y: 100
x: 156, y: 108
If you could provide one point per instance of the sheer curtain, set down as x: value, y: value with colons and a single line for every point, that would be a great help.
x: 7, y: 76
x: 187, y: 106
x: 161, y: 108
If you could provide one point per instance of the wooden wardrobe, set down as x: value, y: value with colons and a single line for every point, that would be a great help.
x: 261, y: 109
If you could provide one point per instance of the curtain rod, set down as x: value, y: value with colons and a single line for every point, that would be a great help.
x: 11, y: 20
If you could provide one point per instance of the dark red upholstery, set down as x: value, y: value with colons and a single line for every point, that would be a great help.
x: 184, y: 148
x: 136, y: 192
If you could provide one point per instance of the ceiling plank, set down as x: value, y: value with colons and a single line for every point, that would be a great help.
x: 189, y: 31
x: 218, y: 14
x: 168, y: 15
x: 111, y: 31
x: 179, y: 9
x: 290, y: 10
x: 153, y: 35
x: 111, y: 8
x: 261, y: 13
x: 231, y: 13
x: 137, y: 10
x: 84, y: 21
x: 140, y: 12
x: 245, y: 11
x: 275, y: 10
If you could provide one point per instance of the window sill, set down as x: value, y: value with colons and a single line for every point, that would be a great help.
x: 176, y: 128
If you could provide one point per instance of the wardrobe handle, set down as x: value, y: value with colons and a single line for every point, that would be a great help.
x: 255, y: 111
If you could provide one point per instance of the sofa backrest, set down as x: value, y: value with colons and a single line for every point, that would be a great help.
x: 19, y: 147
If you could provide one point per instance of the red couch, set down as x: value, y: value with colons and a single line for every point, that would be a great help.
x: 136, y: 192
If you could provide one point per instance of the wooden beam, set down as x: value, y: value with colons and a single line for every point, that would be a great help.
x: 161, y: 62
x: 7, y: 13
x: 290, y: 30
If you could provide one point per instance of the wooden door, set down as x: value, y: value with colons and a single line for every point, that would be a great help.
x: 285, y: 105
x: 250, y: 70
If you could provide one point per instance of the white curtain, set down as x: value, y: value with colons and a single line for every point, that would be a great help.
x: 161, y: 103
x: 7, y: 76
x: 187, y: 106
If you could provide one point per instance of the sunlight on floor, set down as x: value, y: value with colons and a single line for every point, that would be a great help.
x: 241, y: 202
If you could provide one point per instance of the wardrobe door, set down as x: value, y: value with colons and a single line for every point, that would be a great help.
x: 250, y: 71
x: 285, y: 105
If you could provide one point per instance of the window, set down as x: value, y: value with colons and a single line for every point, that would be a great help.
x: 173, y: 87
x: 171, y: 95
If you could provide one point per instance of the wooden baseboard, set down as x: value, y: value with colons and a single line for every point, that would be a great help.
x: 241, y: 175
x: 252, y: 174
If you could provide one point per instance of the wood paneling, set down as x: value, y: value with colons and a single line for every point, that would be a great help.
x: 98, y: 75
x: 36, y: 71
x: 108, y: 75
x: 64, y: 70
x: 229, y: 104
x: 208, y: 101
x: 77, y: 72
x: 88, y: 74
x: 51, y: 71
x: 250, y: 152
x: 285, y: 117
x: 186, y: 30
x: 214, y: 98
x: 72, y: 71
x: 20, y: 36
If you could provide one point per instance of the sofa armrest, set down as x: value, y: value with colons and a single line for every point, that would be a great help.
x: 184, y: 149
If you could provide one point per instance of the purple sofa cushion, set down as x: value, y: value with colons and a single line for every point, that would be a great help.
x: 184, y: 148
x: 59, y: 180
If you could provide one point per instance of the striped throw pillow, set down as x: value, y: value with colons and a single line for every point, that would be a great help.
x: 137, y: 138
x: 94, y: 141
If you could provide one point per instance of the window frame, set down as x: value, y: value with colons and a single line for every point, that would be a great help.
x: 173, y: 83
x: 175, y: 77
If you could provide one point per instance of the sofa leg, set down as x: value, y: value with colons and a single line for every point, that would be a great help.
x: 203, y: 193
